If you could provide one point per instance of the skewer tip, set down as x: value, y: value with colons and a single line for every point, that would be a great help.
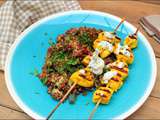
x: 61, y: 101
x: 122, y: 20
x: 137, y: 30
x: 95, y: 108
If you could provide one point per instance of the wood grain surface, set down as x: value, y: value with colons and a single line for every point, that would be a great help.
x: 133, y: 11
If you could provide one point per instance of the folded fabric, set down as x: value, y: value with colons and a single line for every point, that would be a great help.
x: 17, y: 15
x: 151, y: 24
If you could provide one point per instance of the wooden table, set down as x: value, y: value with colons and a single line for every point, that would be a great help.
x: 132, y: 10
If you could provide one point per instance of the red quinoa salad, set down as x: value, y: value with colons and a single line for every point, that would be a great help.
x: 64, y: 58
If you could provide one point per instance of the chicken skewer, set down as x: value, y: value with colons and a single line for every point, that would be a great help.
x: 119, y: 70
x: 111, y: 35
x: 114, y: 32
x: 104, y: 43
x: 113, y: 81
x: 131, y: 40
x: 120, y: 67
x: 106, y: 40
x: 101, y: 96
x: 124, y: 53
x: 61, y: 101
x: 94, y: 110
x: 75, y: 78
x: 83, y: 77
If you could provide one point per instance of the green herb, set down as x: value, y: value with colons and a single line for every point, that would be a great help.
x: 57, y: 55
x: 70, y: 69
x: 85, y: 39
x: 49, y: 70
x: 44, y: 80
x: 35, y: 73
x: 63, y: 61
x: 60, y: 69
x: 72, y: 61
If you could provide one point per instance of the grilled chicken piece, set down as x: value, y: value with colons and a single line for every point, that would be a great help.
x: 103, y: 93
x: 105, y: 43
x: 86, y: 60
x: 105, y: 47
x: 112, y: 79
x: 131, y: 41
x: 124, y: 53
x: 115, y: 84
x: 120, y: 67
x: 83, y: 77
x: 110, y: 37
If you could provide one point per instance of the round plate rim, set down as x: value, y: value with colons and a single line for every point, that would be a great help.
x: 26, y: 109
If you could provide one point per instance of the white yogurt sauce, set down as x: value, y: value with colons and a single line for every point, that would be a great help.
x: 123, y: 50
x: 106, y: 44
x: 82, y: 72
x: 109, y: 35
x: 108, y: 75
x: 96, y: 64
x: 120, y: 65
x: 117, y: 64
x: 101, y: 94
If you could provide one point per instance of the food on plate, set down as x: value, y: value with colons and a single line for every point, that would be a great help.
x: 87, y: 58
x: 109, y: 36
x: 83, y: 77
x: 131, y: 40
x: 64, y: 58
x: 102, y: 93
x: 96, y: 63
x: 113, y: 78
x: 104, y: 46
x: 124, y: 53
x: 120, y: 67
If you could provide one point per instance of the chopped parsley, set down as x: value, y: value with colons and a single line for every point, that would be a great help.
x: 62, y: 61
x: 85, y: 39
x: 35, y: 73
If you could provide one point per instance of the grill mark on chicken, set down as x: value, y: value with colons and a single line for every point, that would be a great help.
x: 119, y: 69
x: 115, y: 79
x: 119, y: 75
x: 118, y: 38
x: 105, y: 90
x: 84, y: 77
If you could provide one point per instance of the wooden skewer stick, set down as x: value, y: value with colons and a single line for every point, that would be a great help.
x: 123, y: 19
x: 62, y: 100
x: 95, y: 108
x: 137, y: 30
